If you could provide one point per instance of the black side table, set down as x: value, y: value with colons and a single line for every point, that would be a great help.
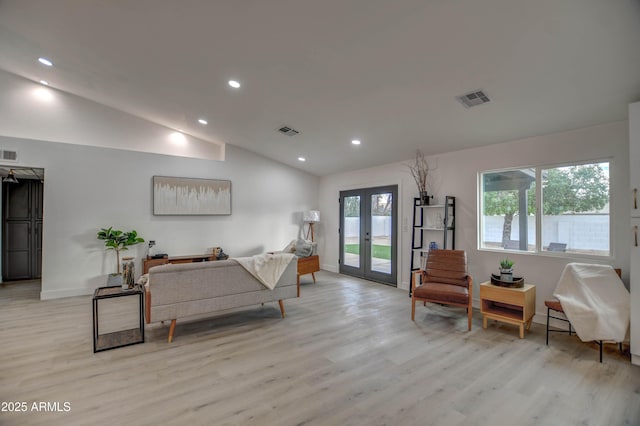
x: 116, y: 339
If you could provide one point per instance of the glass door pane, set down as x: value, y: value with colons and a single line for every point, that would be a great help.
x: 351, y: 240
x: 368, y: 224
x: 381, y: 221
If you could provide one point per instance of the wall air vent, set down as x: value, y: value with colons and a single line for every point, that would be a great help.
x: 8, y: 155
x: 288, y: 131
x: 475, y: 98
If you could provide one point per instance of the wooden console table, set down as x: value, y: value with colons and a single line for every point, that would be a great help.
x: 150, y: 262
x: 511, y: 305
x: 308, y: 265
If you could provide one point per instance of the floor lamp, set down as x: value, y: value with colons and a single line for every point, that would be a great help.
x: 311, y: 217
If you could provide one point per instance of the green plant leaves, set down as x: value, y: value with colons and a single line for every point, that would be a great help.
x: 506, y: 263
x: 118, y: 240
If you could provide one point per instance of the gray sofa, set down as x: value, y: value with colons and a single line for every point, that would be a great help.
x: 181, y: 290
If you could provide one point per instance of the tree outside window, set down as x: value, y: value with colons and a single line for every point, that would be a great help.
x: 575, y: 216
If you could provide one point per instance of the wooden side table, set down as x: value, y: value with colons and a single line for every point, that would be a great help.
x: 308, y: 265
x: 511, y: 305
x: 116, y: 339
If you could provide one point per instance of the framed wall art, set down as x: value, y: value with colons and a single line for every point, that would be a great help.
x: 191, y: 196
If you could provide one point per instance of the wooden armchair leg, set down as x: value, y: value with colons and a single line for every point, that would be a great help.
x: 413, y: 309
x: 470, y: 315
x: 172, y: 328
x: 313, y: 274
x: 282, y: 308
x: 298, y: 284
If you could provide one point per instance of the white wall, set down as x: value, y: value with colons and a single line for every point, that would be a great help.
x: 634, y: 180
x: 456, y: 175
x: 87, y: 188
x: 101, y: 175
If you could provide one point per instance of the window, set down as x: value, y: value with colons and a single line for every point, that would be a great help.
x: 575, y: 209
x: 508, y: 220
x: 573, y: 202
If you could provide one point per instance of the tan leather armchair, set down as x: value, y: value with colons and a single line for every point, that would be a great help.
x: 445, y: 280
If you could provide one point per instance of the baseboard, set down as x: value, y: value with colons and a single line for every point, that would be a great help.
x: 330, y: 268
x: 68, y: 292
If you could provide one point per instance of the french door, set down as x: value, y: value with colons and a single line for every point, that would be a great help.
x: 368, y: 233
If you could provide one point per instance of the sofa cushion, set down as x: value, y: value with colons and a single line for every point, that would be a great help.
x: 304, y: 248
x: 175, y: 291
x: 174, y: 283
x: 291, y: 247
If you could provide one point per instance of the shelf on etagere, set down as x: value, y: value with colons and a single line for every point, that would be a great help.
x: 427, y: 220
x: 433, y: 206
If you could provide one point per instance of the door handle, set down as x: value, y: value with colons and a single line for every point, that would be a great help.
x: 635, y: 198
x: 635, y: 235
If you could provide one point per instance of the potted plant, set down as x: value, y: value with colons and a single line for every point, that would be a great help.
x: 506, y: 269
x: 419, y: 169
x: 118, y: 241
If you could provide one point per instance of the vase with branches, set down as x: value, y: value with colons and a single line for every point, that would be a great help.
x: 419, y: 169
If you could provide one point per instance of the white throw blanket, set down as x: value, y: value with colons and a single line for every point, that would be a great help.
x: 595, y: 300
x: 267, y: 268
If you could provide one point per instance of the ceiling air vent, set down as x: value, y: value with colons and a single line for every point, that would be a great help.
x: 475, y: 98
x: 288, y: 131
x: 7, y: 155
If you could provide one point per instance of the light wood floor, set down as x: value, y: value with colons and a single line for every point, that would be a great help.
x: 347, y: 354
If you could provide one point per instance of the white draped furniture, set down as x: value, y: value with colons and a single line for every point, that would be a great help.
x: 595, y: 302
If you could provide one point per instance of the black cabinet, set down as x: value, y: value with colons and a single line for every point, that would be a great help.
x: 22, y: 230
x: 433, y: 227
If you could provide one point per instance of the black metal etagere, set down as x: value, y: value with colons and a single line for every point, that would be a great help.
x: 428, y: 220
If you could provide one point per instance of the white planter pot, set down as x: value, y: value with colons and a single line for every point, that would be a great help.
x: 115, y: 280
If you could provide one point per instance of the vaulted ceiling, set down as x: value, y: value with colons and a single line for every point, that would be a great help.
x: 384, y: 72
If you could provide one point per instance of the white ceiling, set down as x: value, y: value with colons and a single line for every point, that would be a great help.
x: 386, y: 72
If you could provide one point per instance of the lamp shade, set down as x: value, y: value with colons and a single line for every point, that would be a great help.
x: 10, y: 178
x: 311, y: 216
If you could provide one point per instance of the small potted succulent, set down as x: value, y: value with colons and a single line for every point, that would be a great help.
x: 506, y: 269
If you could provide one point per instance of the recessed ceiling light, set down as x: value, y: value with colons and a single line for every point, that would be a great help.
x: 44, y: 82
x: 45, y: 61
x: 234, y: 84
x: 302, y: 159
x: 202, y: 121
x: 356, y: 142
